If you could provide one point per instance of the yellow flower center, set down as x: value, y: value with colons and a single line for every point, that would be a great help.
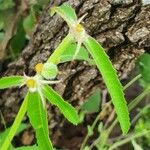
x: 79, y: 28
x: 31, y: 83
x: 39, y: 68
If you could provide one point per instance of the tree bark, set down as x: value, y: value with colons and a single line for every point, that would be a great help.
x: 123, y: 29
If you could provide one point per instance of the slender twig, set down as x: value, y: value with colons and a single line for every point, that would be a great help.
x: 3, y: 120
x: 138, y: 115
x: 128, y: 139
x: 87, y: 135
x: 132, y: 81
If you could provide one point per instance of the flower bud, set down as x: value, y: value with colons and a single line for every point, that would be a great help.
x: 49, y: 70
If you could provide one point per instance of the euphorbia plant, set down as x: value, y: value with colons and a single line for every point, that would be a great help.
x: 78, y: 35
x: 34, y: 103
x: 39, y: 90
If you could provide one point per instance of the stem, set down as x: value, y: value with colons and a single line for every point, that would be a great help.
x: 132, y: 81
x: 100, y: 141
x: 3, y: 120
x: 87, y: 135
x: 129, y: 138
x: 138, y: 115
x: 16, y: 124
x: 136, y: 101
x: 55, y: 57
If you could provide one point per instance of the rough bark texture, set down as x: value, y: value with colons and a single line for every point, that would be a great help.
x: 123, y: 28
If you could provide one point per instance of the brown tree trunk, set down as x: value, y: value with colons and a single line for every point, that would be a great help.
x: 122, y: 28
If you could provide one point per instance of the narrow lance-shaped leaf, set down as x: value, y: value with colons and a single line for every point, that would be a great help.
x: 38, y: 119
x: 66, y: 12
x: 7, y: 82
x: 111, y: 80
x: 15, y: 125
x: 66, y: 109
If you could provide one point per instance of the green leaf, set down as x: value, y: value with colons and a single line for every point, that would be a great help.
x: 66, y: 109
x: 92, y: 104
x: 7, y: 82
x: 34, y: 147
x: 111, y: 80
x: 69, y: 52
x: 144, y: 68
x: 38, y: 119
x: 66, y: 12
x: 15, y: 125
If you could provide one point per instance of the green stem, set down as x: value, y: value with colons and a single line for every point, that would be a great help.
x: 138, y: 115
x: 55, y: 57
x: 129, y: 138
x: 15, y: 125
x: 132, y: 81
x: 136, y: 101
x: 87, y: 135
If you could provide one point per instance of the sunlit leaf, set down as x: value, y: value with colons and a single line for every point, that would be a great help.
x: 66, y: 12
x: 38, y: 119
x: 93, y: 103
x: 7, y: 82
x: 111, y: 80
x: 66, y: 109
